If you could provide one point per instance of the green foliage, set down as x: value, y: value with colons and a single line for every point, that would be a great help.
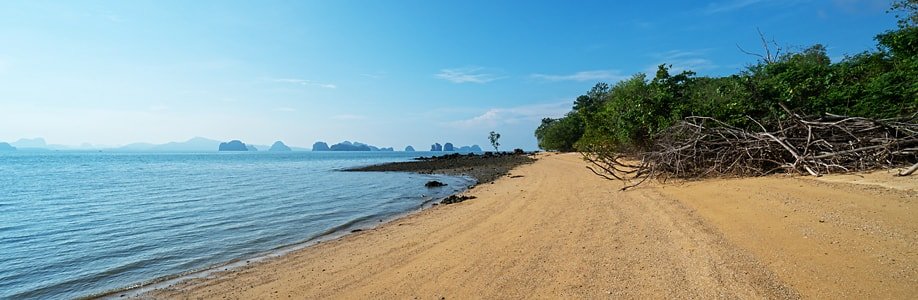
x: 910, y: 8
x: 628, y: 116
x: 560, y: 134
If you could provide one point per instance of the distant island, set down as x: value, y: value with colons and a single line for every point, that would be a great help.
x: 279, y: 146
x: 7, y: 147
x: 320, y: 146
x: 234, y: 145
x: 449, y: 147
x: 409, y: 149
x: 348, y: 146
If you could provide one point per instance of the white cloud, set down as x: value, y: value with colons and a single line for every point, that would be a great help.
x: 515, y: 115
x: 594, y: 75
x: 467, y: 74
x: 376, y: 75
x: 682, y: 60
x: 304, y: 82
x: 727, y: 6
x: 734, y: 5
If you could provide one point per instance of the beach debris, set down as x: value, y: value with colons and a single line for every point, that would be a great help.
x: 701, y: 147
x: 909, y: 171
x: 456, y: 199
x: 433, y: 184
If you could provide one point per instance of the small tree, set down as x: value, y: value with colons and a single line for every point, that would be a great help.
x: 493, y: 137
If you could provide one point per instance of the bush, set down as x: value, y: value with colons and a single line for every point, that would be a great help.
x: 629, y: 115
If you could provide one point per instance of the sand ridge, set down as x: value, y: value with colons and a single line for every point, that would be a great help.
x: 555, y: 230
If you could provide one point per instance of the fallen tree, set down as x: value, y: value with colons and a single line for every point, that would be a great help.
x: 701, y: 147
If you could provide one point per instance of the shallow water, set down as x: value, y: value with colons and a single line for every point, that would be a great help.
x: 75, y: 224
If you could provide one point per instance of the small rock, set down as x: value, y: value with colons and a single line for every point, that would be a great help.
x: 433, y: 184
x: 456, y: 199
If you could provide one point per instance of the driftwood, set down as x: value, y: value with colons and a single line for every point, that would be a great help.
x: 700, y: 147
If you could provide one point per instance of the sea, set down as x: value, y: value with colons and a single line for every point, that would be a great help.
x: 77, y: 224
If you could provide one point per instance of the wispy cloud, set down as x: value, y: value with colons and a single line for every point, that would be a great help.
x: 515, y: 115
x: 348, y: 117
x: 682, y: 60
x: 594, y: 75
x: 735, y: 5
x: 728, y: 6
x: 467, y: 74
x: 304, y: 82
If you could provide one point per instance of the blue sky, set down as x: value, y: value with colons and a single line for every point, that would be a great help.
x: 388, y: 73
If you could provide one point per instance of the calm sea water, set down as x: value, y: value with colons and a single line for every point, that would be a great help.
x: 76, y: 224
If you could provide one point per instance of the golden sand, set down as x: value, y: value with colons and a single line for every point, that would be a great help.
x: 561, y: 232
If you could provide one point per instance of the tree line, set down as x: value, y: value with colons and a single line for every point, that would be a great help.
x: 628, y: 115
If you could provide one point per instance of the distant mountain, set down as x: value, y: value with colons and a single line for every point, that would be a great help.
x: 348, y: 146
x: 6, y: 147
x: 448, y: 147
x: 320, y: 146
x: 251, y: 147
x: 436, y: 147
x: 196, y: 144
x: 279, y: 146
x: 409, y: 149
x: 234, y: 145
x: 30, y: 143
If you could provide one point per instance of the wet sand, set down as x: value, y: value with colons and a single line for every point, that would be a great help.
x: 555, y: 230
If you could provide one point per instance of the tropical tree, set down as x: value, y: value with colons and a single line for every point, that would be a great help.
x: 493, y: 137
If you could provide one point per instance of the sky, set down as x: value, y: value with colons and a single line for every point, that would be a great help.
x: 389, y: 73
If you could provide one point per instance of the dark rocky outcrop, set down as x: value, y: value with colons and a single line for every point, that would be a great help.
x: 448, y: 147
x: 409, y: 149
x: 436, y: 147
x: 320, y: 146
x: 433, y: 184
x: 456, y: 199
x: 234, y: 145
x: 279, y: 146
x: 7, y: 147
x: 483, y: 167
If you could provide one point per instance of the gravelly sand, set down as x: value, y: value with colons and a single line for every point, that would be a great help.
x: 561, y: 232
x: 484, y: 168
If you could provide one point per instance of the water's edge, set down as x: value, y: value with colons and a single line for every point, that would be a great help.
x: 334, y: 233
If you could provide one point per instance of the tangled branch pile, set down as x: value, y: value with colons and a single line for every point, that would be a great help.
x: 700, y: 147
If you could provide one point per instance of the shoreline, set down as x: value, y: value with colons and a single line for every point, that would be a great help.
x: 334, y: 233
x: 486, y: 171
x: 559, y: 231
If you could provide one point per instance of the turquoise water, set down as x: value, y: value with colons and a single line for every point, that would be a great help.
x: 76, y: 224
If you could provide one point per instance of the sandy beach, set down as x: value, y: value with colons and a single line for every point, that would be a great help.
x: 555, y: 230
